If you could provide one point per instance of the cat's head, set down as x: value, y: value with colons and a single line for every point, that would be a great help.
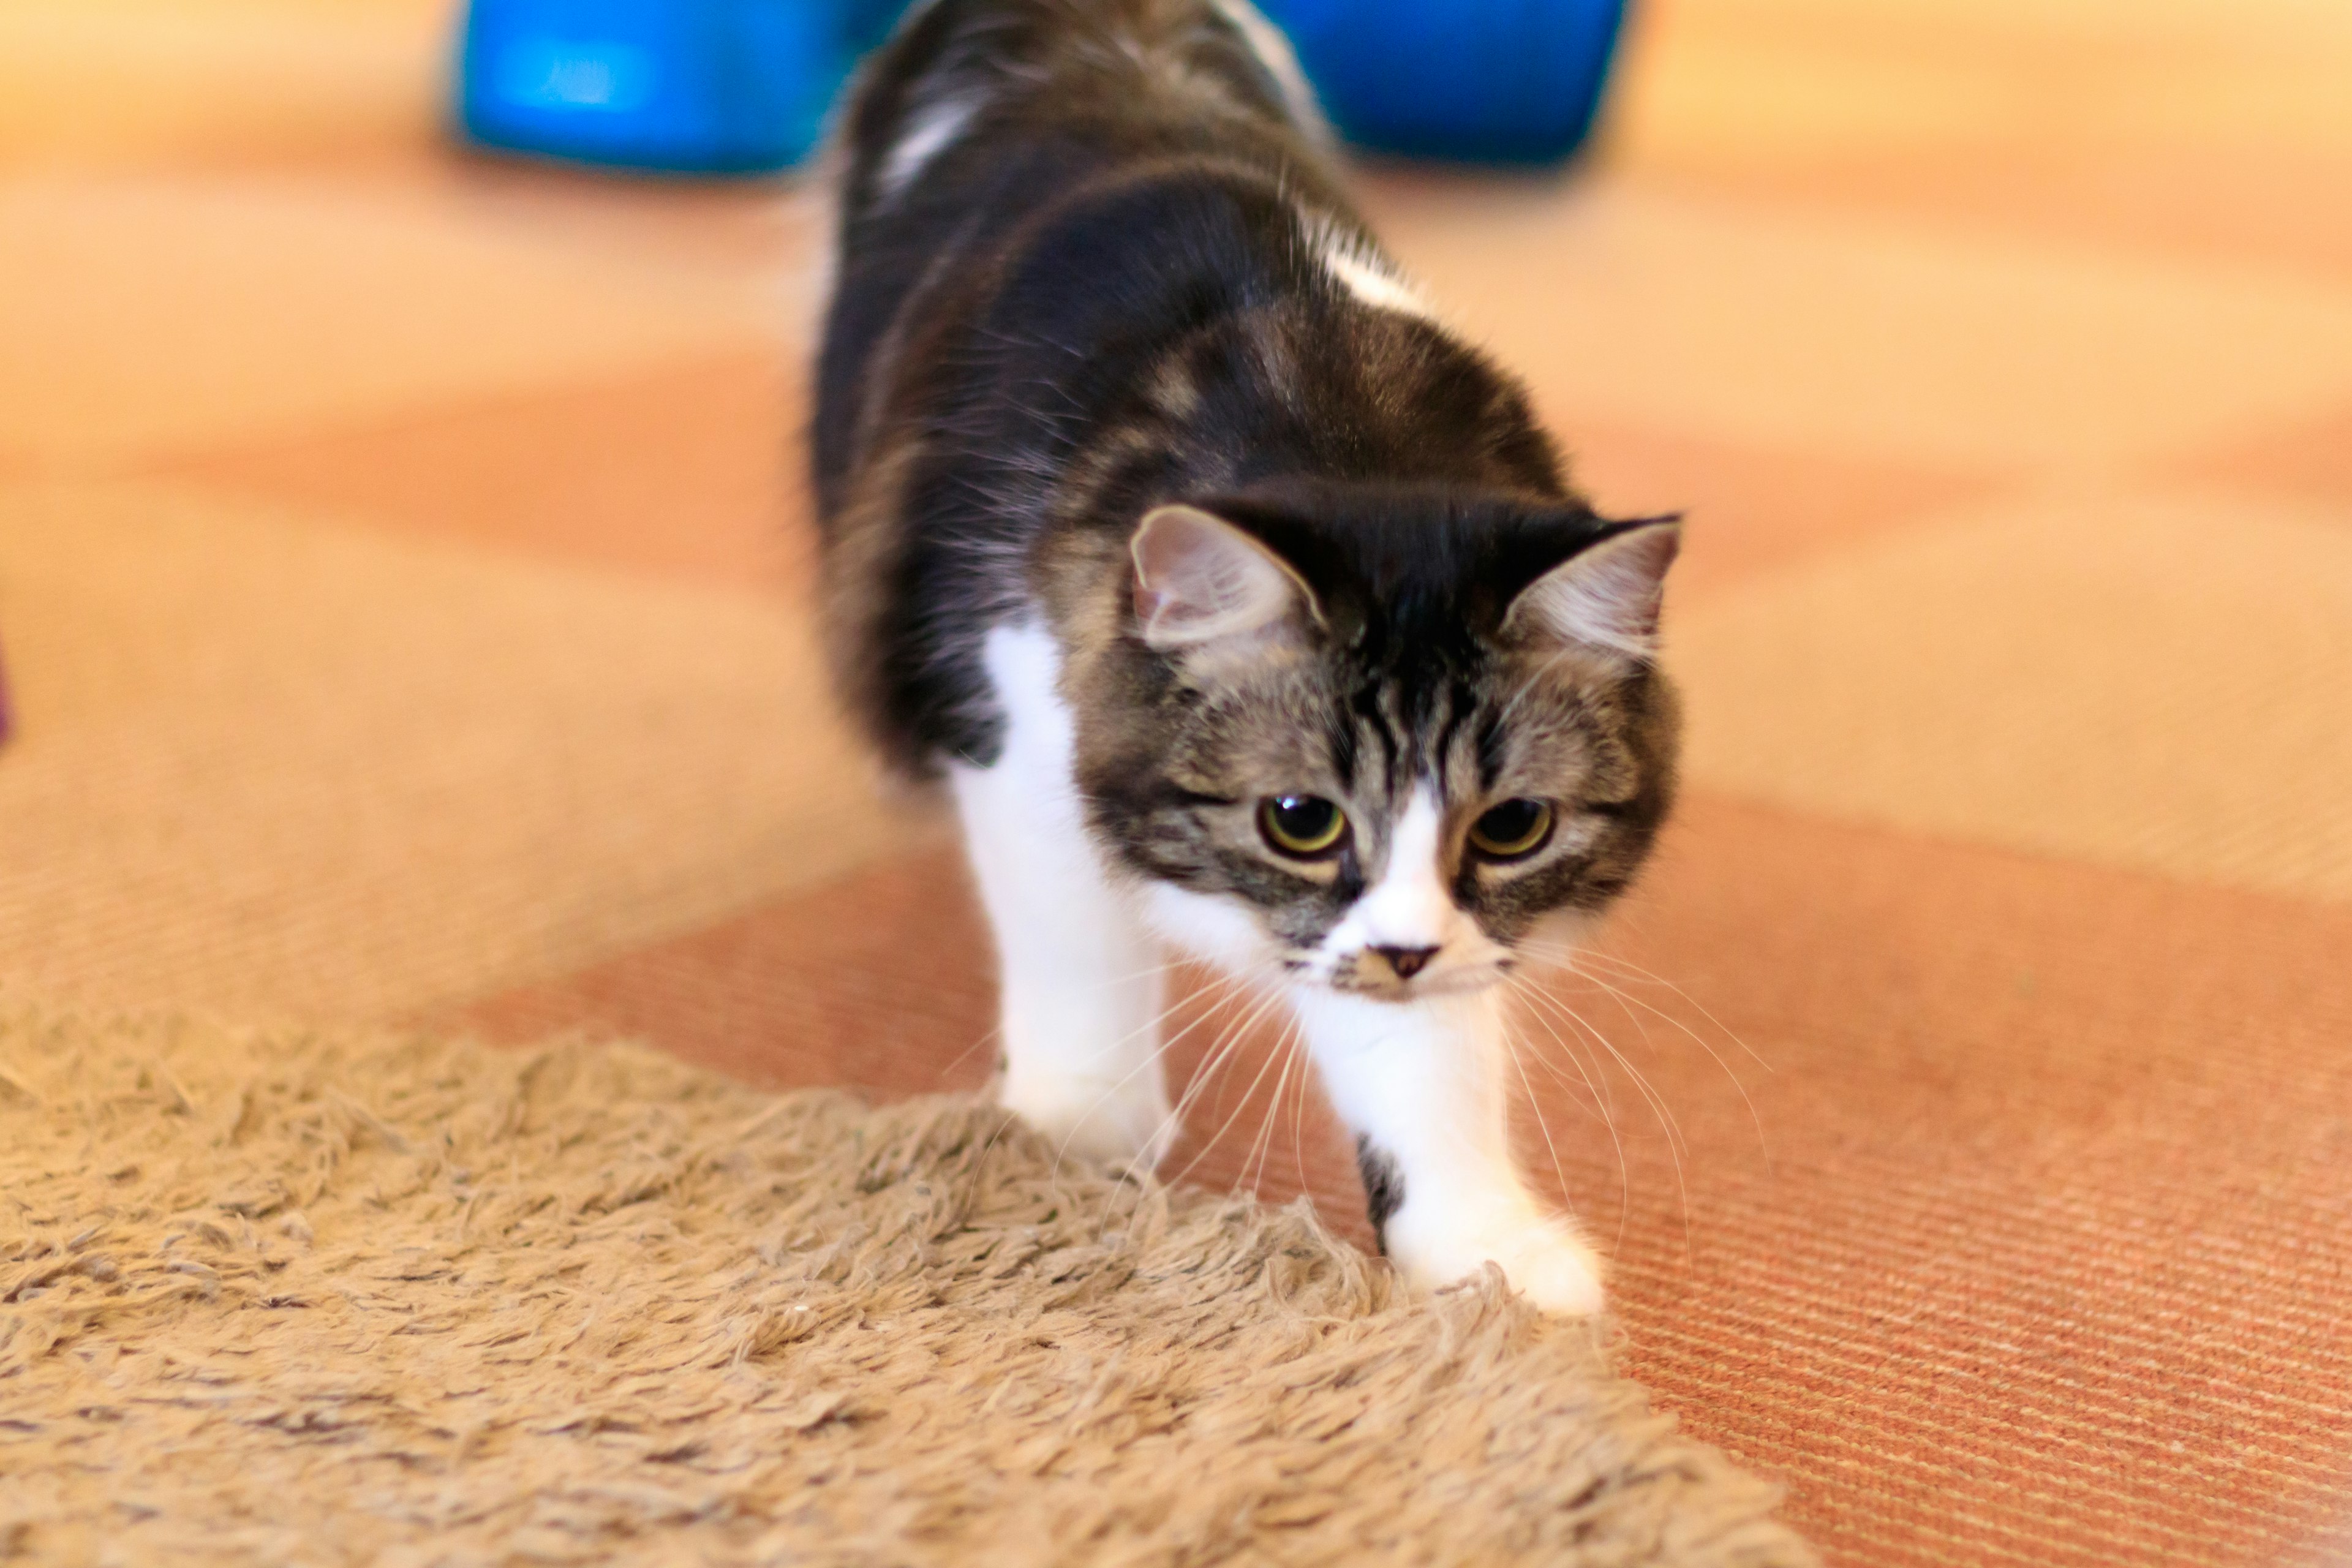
x: 1380, y: 741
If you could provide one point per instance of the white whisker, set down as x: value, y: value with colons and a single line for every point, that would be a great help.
x: 1676, y: 1143
x: 1606, y: 1111
x: 1576, y: 962
x: 1257, y: 1017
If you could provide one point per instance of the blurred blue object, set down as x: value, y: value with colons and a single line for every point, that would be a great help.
x: 742, y: 86
x: 1502, y: 82
x: 694, y: 86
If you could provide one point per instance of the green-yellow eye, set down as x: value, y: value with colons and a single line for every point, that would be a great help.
x: 1512, y: 830
x: 1304, y: 825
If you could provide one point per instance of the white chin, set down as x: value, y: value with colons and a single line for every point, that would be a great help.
x: 1458, y: 982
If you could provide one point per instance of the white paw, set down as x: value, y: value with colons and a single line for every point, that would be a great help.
x: 1540, y: 1254
x: 1119, y: 1123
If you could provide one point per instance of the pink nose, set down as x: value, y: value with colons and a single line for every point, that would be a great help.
x: 1407, y: 961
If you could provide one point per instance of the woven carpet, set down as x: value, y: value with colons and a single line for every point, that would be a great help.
x: 404, y: 604
x: 278, y: 1298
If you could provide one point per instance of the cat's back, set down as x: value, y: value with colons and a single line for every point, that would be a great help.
x: 1074, y: 89
x: 982, y: 116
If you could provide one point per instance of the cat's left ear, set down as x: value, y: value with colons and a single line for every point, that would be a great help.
x: 1606, y: 594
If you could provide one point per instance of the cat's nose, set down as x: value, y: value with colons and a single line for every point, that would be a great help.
x: 1407, y: 961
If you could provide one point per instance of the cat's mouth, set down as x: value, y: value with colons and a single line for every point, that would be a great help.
x: 1380, y: 976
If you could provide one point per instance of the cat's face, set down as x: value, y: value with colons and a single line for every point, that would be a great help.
x: 1383, y: 761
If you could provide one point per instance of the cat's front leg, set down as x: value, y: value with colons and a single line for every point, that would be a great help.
x: 1081, y: 979
x: 1421, y: 1085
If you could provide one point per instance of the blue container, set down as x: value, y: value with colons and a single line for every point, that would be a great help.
x: 694, y: 86
x: 742, y: 86
x: 1498, y: 81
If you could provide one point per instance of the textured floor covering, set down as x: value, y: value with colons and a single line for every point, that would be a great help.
x: 402, y: 594
x: 292, y: 1299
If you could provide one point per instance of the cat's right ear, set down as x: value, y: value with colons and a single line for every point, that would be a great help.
x: 1200, y: 580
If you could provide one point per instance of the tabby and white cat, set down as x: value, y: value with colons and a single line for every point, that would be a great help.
x: 1244, y: 609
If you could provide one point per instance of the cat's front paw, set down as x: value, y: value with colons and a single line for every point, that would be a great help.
x: 1541, y: 1255
x: 1119, y: 1123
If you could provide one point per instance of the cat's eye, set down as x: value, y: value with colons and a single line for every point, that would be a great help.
x: 1303, y: 825
x: 1513, y: 830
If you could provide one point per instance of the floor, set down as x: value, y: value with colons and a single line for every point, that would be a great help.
x: 404, y: 597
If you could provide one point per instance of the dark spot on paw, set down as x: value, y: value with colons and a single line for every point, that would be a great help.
x: 1383, y: 1186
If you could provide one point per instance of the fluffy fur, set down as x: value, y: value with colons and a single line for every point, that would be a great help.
x: 1165, y: 521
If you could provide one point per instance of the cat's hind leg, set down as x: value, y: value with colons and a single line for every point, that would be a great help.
x: 1421, y: 1085
x: 1082, y: 982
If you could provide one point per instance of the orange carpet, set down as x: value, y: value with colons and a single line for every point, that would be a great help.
x: 403, y: 595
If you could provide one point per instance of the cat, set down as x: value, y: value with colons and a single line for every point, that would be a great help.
x: 1245, y: 611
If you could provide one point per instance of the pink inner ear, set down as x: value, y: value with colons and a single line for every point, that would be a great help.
x: 1199, y: 578
x: 1606, y: 596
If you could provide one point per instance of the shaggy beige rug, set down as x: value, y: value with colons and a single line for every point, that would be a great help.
x: 281, y: 1298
